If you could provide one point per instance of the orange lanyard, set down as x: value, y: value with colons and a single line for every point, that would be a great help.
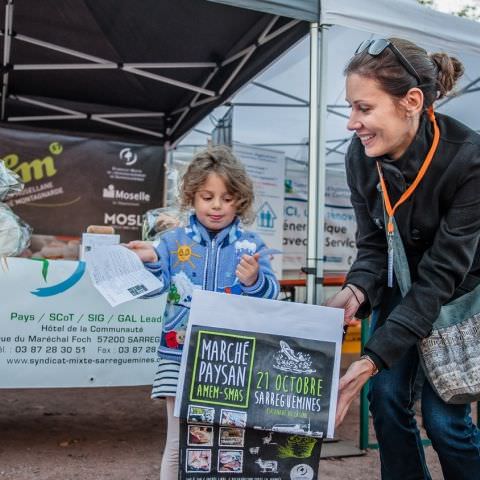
x: 408, y: 192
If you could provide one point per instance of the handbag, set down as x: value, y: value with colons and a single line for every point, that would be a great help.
x: 450, y: 355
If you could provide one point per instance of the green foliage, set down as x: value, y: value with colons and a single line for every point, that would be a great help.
x: 469, y: 11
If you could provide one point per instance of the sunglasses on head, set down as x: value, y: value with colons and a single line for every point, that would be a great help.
x: 376, y: 47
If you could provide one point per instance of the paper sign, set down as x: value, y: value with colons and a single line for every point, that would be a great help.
x: 119, y: 275
x: 263, y: 391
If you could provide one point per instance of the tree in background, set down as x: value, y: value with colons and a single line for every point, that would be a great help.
x: 468, y: 10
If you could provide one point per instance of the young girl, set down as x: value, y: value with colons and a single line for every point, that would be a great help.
x: 212, y: 253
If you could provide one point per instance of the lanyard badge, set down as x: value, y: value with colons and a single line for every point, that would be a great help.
x: 390, y: 229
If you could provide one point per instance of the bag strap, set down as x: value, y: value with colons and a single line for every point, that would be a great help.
x: 451, y: 313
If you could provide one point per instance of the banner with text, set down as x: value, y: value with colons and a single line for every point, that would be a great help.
x: 339, y: 227
x: 267, y: 170
x: 56, y: 330
x: 72, y: 182
x: 256, y: 399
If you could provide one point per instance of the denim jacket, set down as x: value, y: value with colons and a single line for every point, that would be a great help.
x: 189, y: 259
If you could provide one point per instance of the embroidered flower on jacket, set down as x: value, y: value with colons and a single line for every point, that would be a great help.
x: 171, y: 339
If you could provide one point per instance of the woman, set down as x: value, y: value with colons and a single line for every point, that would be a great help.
x: 391, y: 86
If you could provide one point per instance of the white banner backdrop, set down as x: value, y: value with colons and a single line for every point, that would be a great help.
x: 339, y: 227
x: 267, y: 170
x: 295, y: 220
x: 56, y: 330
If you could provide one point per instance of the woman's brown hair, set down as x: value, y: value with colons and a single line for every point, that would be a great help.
x: 438, y: 72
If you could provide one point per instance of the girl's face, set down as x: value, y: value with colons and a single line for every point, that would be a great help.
x: 381, y: 124
x: 214, y: 206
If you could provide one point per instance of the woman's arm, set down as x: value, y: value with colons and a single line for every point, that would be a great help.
x: 350, y: 298
x: 368, y: 271
x: 351, y: 384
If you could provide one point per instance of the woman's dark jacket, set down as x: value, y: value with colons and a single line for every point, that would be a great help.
x: 439, y: 225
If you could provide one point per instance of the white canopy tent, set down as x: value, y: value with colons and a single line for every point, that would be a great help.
x: 337, y: 27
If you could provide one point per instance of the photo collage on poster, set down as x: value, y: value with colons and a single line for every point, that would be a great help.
x: 226, y: 439
x: 219, y: 445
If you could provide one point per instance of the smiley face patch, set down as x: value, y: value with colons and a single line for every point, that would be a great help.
x: 184, y: 254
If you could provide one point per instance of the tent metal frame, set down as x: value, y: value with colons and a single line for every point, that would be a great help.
x: 203, y: 94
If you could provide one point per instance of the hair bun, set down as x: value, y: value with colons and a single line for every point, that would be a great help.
x: 450, y: 69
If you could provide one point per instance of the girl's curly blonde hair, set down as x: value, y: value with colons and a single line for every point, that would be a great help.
x: 221, y: 161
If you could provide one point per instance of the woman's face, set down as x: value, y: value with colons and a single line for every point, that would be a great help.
x: 377, y: 119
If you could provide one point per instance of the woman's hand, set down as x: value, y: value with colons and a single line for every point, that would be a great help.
x: 350, y: 301
x: 144, y: 250
x: 247, y: 269
x: 350, y: 385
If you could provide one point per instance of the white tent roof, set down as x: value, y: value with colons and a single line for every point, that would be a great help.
x: 405, y: 18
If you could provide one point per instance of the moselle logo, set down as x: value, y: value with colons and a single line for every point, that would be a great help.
x: 301, y: 472
x: 59, y: 287
x: 128, y: 156
x: 266, y: 216
x: 111, y: 192
x: 123, y: 219
x: 36, y: 169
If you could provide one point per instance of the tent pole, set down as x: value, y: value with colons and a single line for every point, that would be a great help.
x: 312, y: 225
x: 322, y: 161
x: 167, y: 166
x: 7, y: 50
x: 316, y: 163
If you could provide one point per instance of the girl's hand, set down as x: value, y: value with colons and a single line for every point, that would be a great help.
x: 247, y: 269
x: 350, y: 385
x: 349, y: 301
x: 144, y: 250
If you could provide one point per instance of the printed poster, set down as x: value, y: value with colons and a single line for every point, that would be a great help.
x: 339, y: 227
x: 295, y: 221
x: 257, y: 398
x: 267, y: 170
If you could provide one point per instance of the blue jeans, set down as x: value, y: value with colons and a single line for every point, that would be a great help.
x: 449, y: 427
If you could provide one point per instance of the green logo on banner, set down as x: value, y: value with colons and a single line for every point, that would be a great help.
x: 55, y: 148
x: 36, y: 169
x: 222, y: 371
